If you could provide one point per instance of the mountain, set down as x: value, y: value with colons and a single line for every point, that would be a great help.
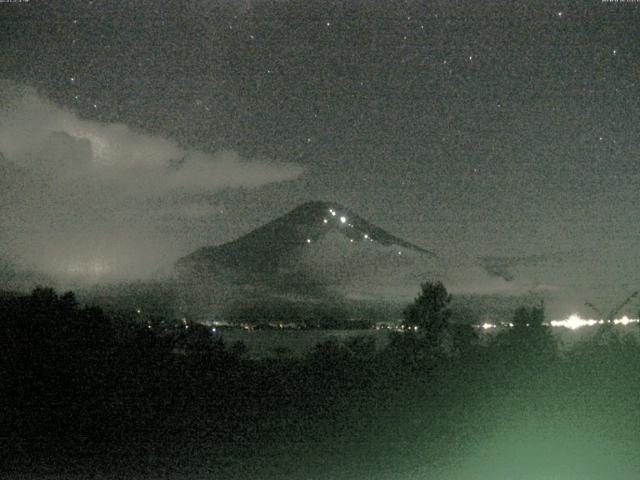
x: 265, y: 247
x: 319, y: 254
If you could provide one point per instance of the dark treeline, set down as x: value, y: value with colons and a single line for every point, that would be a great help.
x: 85, y: 392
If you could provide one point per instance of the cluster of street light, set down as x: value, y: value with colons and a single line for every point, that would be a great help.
x: 573, y: 322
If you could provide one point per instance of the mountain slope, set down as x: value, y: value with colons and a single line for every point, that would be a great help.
x: 311, y: 255
x: 266, y: 246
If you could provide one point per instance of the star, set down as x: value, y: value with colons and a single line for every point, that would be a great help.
x: 559, y: 14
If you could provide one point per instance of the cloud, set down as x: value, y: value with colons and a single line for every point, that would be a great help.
x: 40, y: 135
x: 75, y: 192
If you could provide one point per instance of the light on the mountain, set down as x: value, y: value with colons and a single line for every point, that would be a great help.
x: 343, y: 219
x: 366, y: 236
x: 325, y: 221
x: 308, y: 240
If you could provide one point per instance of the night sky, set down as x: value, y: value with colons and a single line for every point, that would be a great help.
x: 135, y: 132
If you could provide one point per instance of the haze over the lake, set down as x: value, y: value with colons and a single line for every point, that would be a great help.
x: 499, y: 135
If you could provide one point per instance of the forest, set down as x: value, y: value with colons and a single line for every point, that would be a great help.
x: 93, y: 394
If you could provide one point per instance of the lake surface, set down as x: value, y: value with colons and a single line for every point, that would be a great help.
x: 265, y: 343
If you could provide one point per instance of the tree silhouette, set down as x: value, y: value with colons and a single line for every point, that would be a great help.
x: 528, y: 317
x: 429, y: 314
x: 430, y: 310
x: 529, y: 339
